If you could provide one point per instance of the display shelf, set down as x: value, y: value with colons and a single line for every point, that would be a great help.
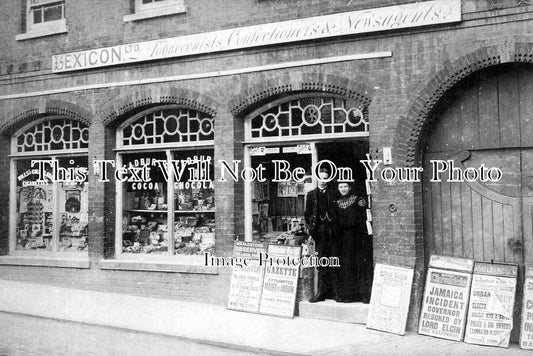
x: 193, y: 211
x: 147, y: 211
x: 165, y: 211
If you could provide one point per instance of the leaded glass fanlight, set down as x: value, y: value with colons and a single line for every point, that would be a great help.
x: 306, y: 116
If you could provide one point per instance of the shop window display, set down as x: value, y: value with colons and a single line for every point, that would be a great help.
x: 173, y: 214
x: 194, y: 207
x: 51, y: 212
x: 38, y: 212
x: 35, y: 223
x: 278, y: 207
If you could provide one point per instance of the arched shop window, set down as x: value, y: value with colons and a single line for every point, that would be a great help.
x: 300, y: 131
x: 172, y: 212
x: 50, y: 213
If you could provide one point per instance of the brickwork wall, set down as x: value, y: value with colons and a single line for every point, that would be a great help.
x: 99, y: 23
x: 190, y: 287
x: 4, y: 193
x: 400, y: 92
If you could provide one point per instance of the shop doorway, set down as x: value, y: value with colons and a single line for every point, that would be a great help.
x: 347, y: 154
x: 277, y: 208
x: 301, y: 130
x: 351, y: 241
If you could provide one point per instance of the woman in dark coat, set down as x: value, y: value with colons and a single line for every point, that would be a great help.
x: 356, y: 270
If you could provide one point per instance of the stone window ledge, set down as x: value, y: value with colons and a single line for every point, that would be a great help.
x: 158, y: 12
x: 53, y: 260
x: 46, y: 30
x: 180, y: 264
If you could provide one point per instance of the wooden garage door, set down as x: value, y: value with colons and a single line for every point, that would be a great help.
x: 487, y: 120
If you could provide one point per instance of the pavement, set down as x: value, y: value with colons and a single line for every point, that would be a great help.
x: 23, y: 335
x: 214, y: 325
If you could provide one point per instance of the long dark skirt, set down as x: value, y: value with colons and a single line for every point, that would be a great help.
x: 356, y: 271
x: 328, y: 277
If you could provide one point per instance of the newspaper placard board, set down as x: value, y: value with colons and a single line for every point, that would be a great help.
x: 526, y: 327
x: 281, y: 281
x: 246, y: 279
x: 248, y: 249
x: 490, y: 310
x: 451, y: 263
x: 389, y: 304
x: 446, y: 297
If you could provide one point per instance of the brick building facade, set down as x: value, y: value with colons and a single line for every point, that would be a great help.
x: 403, y: 96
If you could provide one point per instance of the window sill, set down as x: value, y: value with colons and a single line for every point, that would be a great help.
x: 50, y: 259
x: 45, y: 30
x: 171, y: 264
x: 147, y: 14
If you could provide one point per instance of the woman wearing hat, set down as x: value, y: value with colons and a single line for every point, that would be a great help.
x: 355, y: 274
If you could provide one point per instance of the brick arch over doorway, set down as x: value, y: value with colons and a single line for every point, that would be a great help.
x: 485, y: 120
x: 253, y: 97
x: 412, y: 124
x: 408, y: 152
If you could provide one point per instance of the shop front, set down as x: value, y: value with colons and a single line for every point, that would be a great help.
x: 166, y: 185
x: 214, y: 133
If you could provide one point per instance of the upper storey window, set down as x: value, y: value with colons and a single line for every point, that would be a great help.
x: 44, y: 18
x: 143, y: 5
x: 145, y: 9
x: 42, y: 11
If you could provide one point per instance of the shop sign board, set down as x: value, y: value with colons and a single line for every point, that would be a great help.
x: 312, y: 28
x: 281, y: 281
x: 490, y: 310
x: 446, y: 297
x: 247, y: 280
x: 391, y: 294
x: 526, y: 330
